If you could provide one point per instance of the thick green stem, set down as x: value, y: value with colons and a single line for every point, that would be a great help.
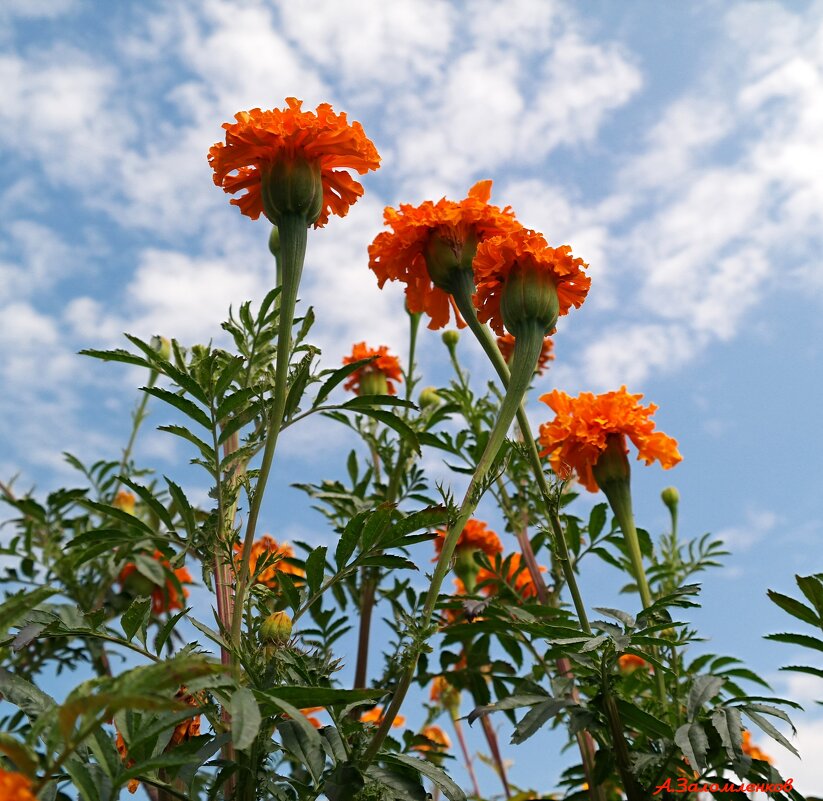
x: 526, y: 352
x: 293, y: 236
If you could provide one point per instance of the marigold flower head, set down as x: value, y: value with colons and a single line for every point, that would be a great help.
x: 435, y: 237
x: 505, y: 345
x: 283, y: 145
x: 266, y: 548
x: 378, y: 376
x: 309, y: 715
x: 439, y: 740
x: 580, y: 432
x: 517, y: 577
x: 628, y: 663
x: 475, y: 536
x: 15, y: 787
x: 375, y: 715
x: 524, y: 255
x: 752, y: 750
x: 163, y: 598
x: 124, y: 501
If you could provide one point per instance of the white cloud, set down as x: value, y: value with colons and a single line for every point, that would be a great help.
x: 759, y: 523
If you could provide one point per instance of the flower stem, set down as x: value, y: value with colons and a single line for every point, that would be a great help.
x: 458, y: 730
x: 497, y: 757
x: 293, y: 235
x: 526, y: 352
x: 138, y: 416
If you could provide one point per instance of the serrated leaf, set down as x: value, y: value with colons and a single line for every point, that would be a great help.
x: 315, y: 567
x: 148, y: 498
x: 430, y: 771
x: 536, y: 717
x: 402, y: 787
x: 189, y: 408
x: 767, y: 727
x: 183, y: 507
x: 302, y: 741
x: 245, y: 718
x: 511, y: 702
x: 206, y: 451
x: 13, y: 608
x: 726, y: 721
x: 337, y: 377
x: 617, y: 614
x: 302, y: 697
x: 692, y: 741
x: 805, y: 640
x: 135, y: 618
x: 703, y: 689
x: 82, y: 780
x: 812, y: 588
x: 349, y: 539
x: 396, y: 423
x: 794, y: 608
x: 636, y: 718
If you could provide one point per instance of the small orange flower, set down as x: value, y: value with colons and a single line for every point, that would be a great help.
x: 266, y: 548
x: 505, y: 345
x: 15, y: 787
x: 124, y: 501
x: 752, y: 750
x: 578, y: 435
x: 628, y: 663
x: 475, y: 536
x: 163, y: 599
x: 439, y: 740
x: 183, y: 731
x: 377, y: 377
x: 262, y: 140
x: 400, y: 254
x: 524, y: 252
x: 309, y: 712
x: 518, y: 577
x: 375, y: 715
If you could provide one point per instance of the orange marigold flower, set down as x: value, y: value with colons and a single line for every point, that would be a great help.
x: 183, y: 731
x: 309, y: 712
x: 628, y: 663
x: 522, y: 252
x: 377, y: 377
x: 267, y: 548
x: 475, y: 536
x: 375, y: 715
x: 752, y: 750
x: 400, y: 254
x: 505, y: 345
x: 124, y: 501
x: 165, y: 598
x: 578, y: 435
x: 518, y: 577
x: 439, y: 740
x: 260, y: 141
x: 15, y: 787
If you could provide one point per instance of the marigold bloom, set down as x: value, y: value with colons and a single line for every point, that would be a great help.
x: 523, y: 252
x: 124, y: 501
x: 183, y: 731
x: 15, y: 787
x: 505, y: 345
x: 262, y: 141
x: 266, y: 548
x: 375, y: 715
x: 400, y: 254
x: 628, y: 663
x: 579, y: 433
x: 439, y: 740
x: 475, y: 536
x: 752, y: 750
x: 376, y: 377
x: 517, y: 577
x: 165, y: 598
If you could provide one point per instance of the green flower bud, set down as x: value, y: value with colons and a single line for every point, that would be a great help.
x: 529, y: 295
x: 162, y: 346
x: 671, y: 497
x: 276, y: 628
x: 429, y: 397
x: 450, y: 338
x: 274, y: 241
x: 292, y: 187
x: 373, y: 382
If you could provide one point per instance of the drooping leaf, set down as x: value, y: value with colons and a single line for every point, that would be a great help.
x: 693, y: 742
x: 245, y: 718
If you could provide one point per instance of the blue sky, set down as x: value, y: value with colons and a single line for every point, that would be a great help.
x: 678, y: 147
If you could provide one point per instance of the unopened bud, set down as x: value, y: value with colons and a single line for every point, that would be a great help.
x: 373, y: 382
x: 671, y: 497
x: 162, y: 346
x: 276, y: 628
x: 450, y: 338
x: 429, y: 397
x: 274, y: 241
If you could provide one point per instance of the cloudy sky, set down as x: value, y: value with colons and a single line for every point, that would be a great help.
x: 678, y: 147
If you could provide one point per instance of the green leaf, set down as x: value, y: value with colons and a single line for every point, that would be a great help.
x: 692, y: 741
x: 798, y: 639
x: 135, y: 618
x: 795, y: 608
x: 388, y: 560
x: 183, y: 507
x: 430, y: 771
x: 396, y: 423
x: 245, y: 718
x: 349, y: 539
x: 301, y: 740
x: 726, y: 721
x: 511, y: 702
x: 18, y: 605
x: 83, y: 780
x: 369, y: 401
x: 24, y: 695
x: 116, y: 355
x: 206, y: 451
x: 315, y: 567
x: 344, y: 783
x: 703, y: 689
x: 597, y: 519
x: 812, y: 588
x: 184, y: 405
x: 302, y: 697
x: 402, y: 787
x: 337, y: 377
x: 617, y: 614
x: 636, y: 718
x: 536, y: 717
x: 767, y: 727
x: 148, y: 498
